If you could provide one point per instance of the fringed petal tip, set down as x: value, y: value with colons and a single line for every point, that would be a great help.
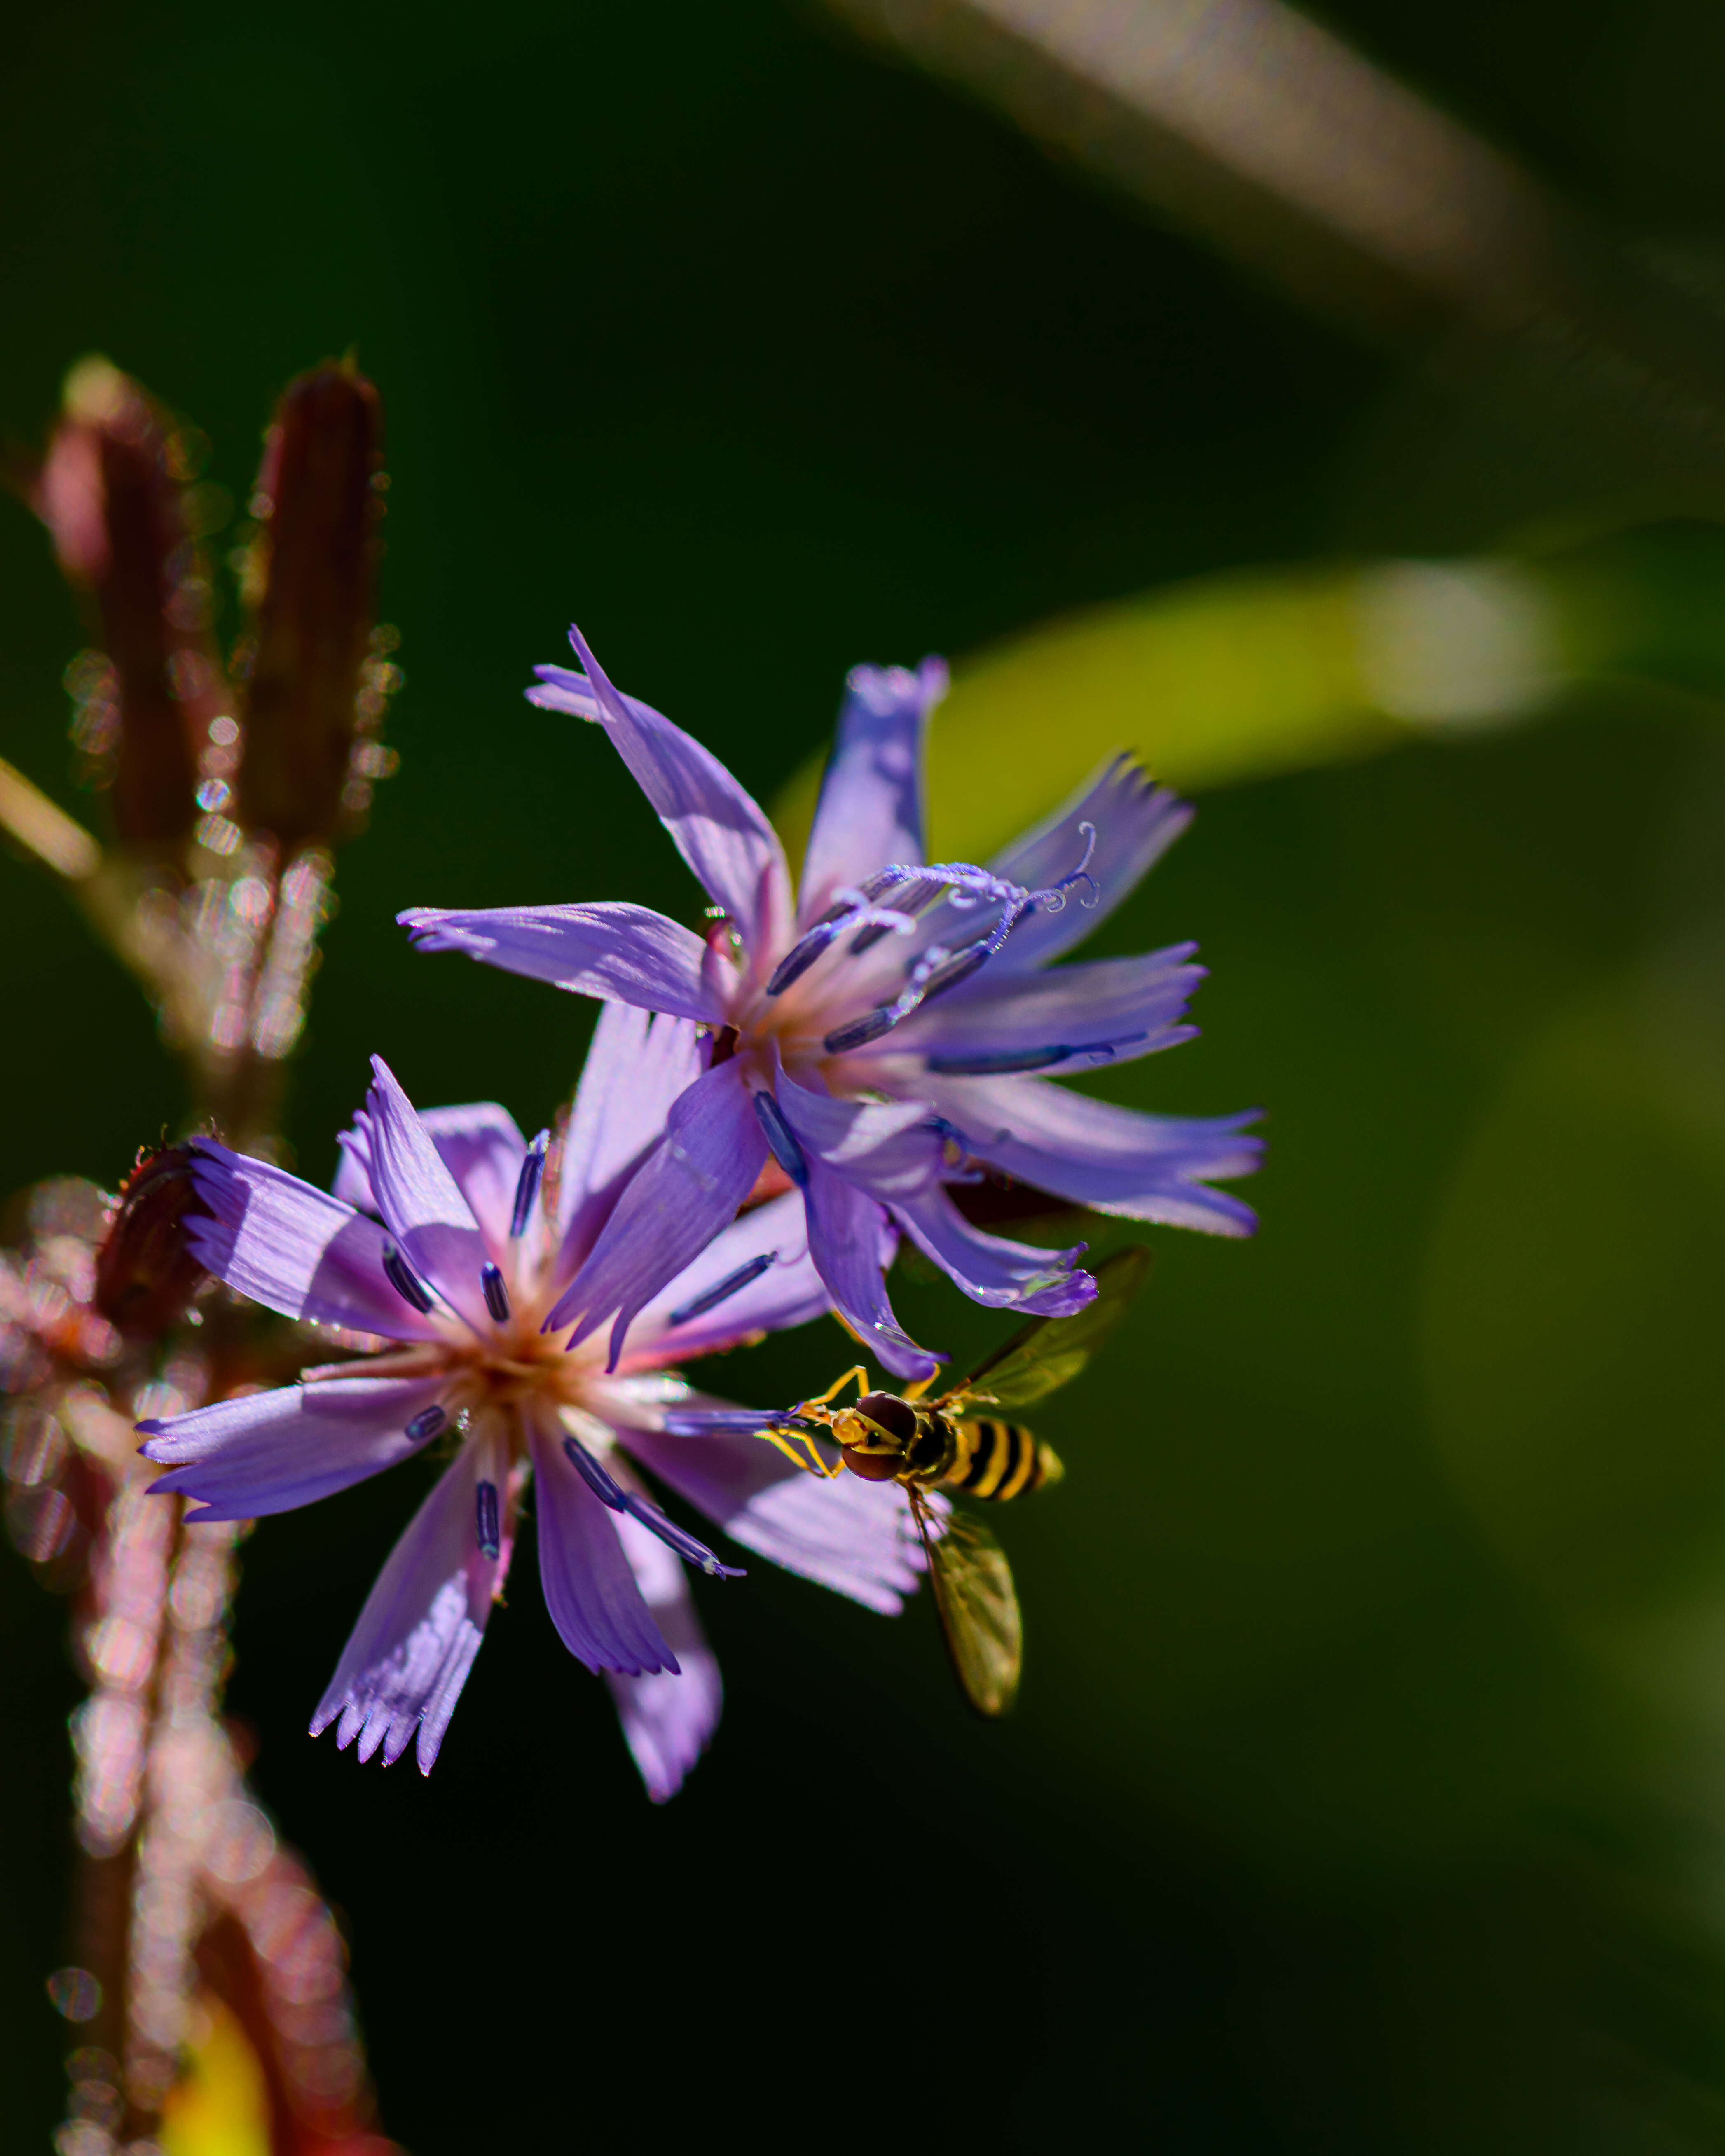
x: 410, y: 1698
x: 718, y: 827
x: 885, y: 691
x: 1075, y: 1293
x: 377, y: 1722
x: 430, y: 929
x: 564, y: 688
x: 376, y: 1728
x: 217, y: 1177
x: 275, y: 1452
x: 402, y: 1671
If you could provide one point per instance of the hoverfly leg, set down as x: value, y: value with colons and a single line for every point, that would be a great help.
x: 856, y: 1371
x: 809, y: 1460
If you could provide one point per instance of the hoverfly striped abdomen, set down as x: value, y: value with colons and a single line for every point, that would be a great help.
x: 1000, y: 1460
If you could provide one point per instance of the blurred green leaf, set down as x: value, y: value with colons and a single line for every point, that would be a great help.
x: 1224, y: 679
x: 1251, y: 675
x: 1574, y: 1280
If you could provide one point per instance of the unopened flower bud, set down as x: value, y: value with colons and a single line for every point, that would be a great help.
x: 112, y: 491
x: 146, y: 1274
x: 312, y: 581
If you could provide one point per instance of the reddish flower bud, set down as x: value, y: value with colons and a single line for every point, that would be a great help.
x: 146, y: 1274
x: 112, y: 491
x: 319, y: 500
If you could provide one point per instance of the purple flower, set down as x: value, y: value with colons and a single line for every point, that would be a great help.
x: 892, y: 1032
x: 477, y: 1235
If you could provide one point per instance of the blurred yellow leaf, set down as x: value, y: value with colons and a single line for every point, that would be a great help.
x: 220, y: 2107
x: 1233, y: 677
x: 1207, y: 682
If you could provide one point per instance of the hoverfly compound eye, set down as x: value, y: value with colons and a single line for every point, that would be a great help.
x: 888, y: 1412
x: 872, y: 1466
x: 873, y: 1434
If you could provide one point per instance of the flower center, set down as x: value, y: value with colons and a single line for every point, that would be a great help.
x: 881, y: 950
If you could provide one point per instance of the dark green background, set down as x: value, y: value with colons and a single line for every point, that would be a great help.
x: 1365, y: 1789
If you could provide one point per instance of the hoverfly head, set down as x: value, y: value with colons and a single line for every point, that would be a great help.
x: 874, y: 1435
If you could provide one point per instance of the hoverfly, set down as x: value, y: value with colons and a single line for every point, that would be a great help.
x: 943, y: 1443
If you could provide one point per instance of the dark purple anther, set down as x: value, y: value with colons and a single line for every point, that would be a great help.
x: 782, y: 1139
x: 603, y: 1487
x: 496, y: 1294
x: 728, y: 1422
x: 407, y: 1284
x: 860, y: 1031
x: 699, y: 1305
x: 802, y: 956
x: 485, y: 1519
x: 910, y: 903
x: 526, y: 1189
x: 960, y: 967
x: 426, y: 1424
x: 997, y: 1063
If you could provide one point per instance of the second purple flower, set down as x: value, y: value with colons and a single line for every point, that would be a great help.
x: 446, y: 1241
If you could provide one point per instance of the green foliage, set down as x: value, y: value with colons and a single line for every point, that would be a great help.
x: 1249, y: 676
x: 1234, y: 677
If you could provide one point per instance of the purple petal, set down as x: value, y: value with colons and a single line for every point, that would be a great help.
x: 886, y: 1145
x: 1137, y: 821
x: 852, y: 1243
x: 269, y: 1452
x: 409, y: 1654
x: 589, y: 1588
x: 860, y: 1154
x: 855, y: 1536
x: 622, y: 953
x: 294, y: 1248
x: 353, y: 1185
x: 421, y: 1205
x: 668, y: 1718
x: 788, y: 1292
x: 1075, y: 1017
x: 481, y: 1144
x: 688, y: 1190
x: 895, y: 1154
x: 636, y: 1068
x: 871, y: 810
x: 1111, y: 1158
x: 1004, y: 1274
x: 717, y: 828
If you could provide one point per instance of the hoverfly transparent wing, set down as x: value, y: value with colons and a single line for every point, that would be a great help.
x: 977, y: 1606
x: 1050, y: 1352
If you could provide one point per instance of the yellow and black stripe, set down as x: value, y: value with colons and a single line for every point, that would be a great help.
x: 998, y: 1460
